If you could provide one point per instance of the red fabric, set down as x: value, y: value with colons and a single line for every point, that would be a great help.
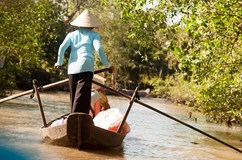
x: 125, y: 129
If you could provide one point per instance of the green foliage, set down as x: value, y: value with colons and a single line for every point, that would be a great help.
x: 181, y: 90
x: 221, y: 100
x: 28, y: 31
x: 211, y: 54
x: 141, y: 41
x: 5, y: 81
x: 204, y: 46
x: 112, y: 33
x: 176, y: 88
x: 212, y: 40
x: 160, y: 87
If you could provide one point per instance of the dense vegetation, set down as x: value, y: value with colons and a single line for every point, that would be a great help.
x: 187, y: 51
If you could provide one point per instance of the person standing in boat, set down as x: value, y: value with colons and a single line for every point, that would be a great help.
x: 83, y: 42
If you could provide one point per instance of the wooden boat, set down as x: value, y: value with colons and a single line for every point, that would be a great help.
x: 79, y: 131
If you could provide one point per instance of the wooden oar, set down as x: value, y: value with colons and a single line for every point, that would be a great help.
x: 62, y: 82
x: 169, y: 116
x: 35, y: 85
x: 127, y: 112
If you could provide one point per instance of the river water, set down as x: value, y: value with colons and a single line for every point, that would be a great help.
x: 152, y: 135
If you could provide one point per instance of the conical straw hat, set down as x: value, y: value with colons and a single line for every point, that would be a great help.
x: 86, y: 19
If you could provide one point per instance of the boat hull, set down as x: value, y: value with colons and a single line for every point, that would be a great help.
x: 80, y: 132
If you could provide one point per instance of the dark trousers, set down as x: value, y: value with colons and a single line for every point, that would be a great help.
x: 80, y: 91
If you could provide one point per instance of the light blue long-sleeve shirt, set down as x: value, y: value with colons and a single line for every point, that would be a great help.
x: 83, y: 43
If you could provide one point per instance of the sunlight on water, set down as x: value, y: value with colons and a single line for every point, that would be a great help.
x: 152, y: 135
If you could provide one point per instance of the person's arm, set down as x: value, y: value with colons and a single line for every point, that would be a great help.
x: 65, y: 44
x: 99, y: 49
x: 101, y: 54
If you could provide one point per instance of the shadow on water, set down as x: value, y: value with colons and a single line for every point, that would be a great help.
x: 152, y: 136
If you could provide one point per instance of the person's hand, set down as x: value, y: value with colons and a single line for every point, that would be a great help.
x: 57, y: 67
x: 111, y: 68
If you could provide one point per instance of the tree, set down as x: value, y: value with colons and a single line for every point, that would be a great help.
x: 204, y: 45
x: 27, y: 28
x: 145, y: 22
x: 212, y: 54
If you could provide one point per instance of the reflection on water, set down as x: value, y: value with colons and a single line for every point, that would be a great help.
x: 152, y: 135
